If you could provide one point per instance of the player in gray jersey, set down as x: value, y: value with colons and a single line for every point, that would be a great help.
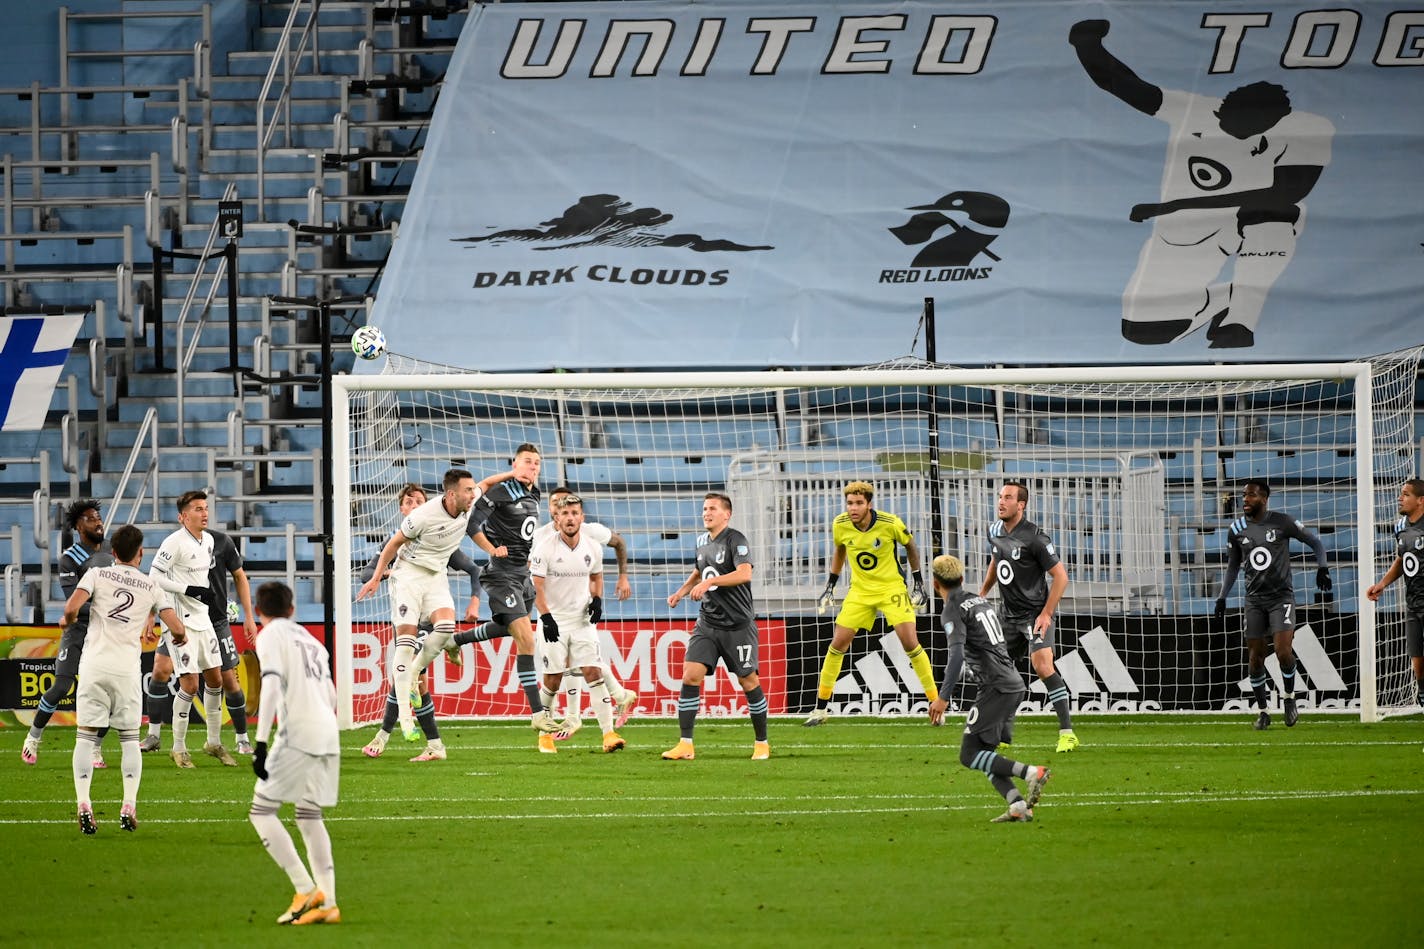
x: 84, y: 519
x: 721, y: 581
x: 977, y: 637
x: 1409, y: 563
x: 1261, y: 540
x: 502, y: 524
x: 1022, y: 561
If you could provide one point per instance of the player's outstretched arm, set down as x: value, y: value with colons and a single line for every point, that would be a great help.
x: 622, y: 589
x: 388, y: 554
x: 1108, y: 72
x: 1289, y: 187
x: 1390, y: 575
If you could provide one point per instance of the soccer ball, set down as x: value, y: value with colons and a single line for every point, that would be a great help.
x: 233, y: 612
x: 368, y: 342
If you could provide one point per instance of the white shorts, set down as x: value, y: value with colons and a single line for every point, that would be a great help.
x: 199, y: 653
x: 293, y: 775
x: 109, y: 700
x: 578, y: 646
x: 416, y: 593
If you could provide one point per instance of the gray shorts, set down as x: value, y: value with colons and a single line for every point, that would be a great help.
x: 71, y: 647
x: 1019, y: 637
x: 992, y: 717
x: 1266, y: 619
x: 738, y: 648
x: 509, y: 593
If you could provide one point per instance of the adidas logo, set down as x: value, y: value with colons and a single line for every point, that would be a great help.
x: 1314, y: 672
x: 1095, y: 647
x: 888, y: 673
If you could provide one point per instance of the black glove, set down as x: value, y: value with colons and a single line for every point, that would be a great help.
x: 204, y: 594
x: 919, y: 601
x: 550, y: 627
x: 1219, y: 612
x: 1322, y: 580
x: 259, y: 760
x: 1087, y: 31
x: 595, y: 610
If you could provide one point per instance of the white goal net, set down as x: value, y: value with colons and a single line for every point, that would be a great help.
x: 1134, y: 472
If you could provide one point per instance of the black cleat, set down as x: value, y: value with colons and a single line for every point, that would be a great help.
x: 1263, y: 721
x: 1292, y: 713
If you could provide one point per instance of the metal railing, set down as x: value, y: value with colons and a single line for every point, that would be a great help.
x: 199, y: 49
x: 148, y: 484
x: 288, y: 60
x: 186, y: 353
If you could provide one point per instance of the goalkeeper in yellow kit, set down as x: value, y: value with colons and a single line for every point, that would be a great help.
x: 868, y: 538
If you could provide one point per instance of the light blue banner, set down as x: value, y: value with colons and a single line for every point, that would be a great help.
x: 735, y: 184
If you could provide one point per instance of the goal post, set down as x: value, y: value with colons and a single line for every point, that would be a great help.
x: 1133, y: 470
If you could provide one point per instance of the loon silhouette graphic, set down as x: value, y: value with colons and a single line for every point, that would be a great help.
x: 959, y: 248
x: 608, y: 220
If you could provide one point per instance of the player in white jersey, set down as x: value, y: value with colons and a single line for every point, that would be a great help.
x: 304, y: 763
x: 110, y: 671
x: 625, y: 701
x: 567, y: 568
x: 420, y: 588
x: 181, y: 568
x: 1237, y: 171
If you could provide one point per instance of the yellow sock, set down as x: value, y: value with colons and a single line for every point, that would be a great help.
x: 920, y: 662
x: 831, y: 671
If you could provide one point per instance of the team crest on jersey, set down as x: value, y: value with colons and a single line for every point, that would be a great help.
x: 1419, y: 543
x: 720, y: 555
x: 1015, y: 552
x: 876, y: 543
x: 1270, y: 537
x: 587, y: 560
x: 404, y: 609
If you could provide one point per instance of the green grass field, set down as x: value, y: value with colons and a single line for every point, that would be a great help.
x: 1169, y: 831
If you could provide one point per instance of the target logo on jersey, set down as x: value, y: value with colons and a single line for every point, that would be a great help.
x: 1259, y: 558
x: 526, y: 530
x: 1005, y: 571
x: 1410, y: 563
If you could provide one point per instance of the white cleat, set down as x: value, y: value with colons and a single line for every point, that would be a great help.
x: 625, y: 709
x: 818, y: 717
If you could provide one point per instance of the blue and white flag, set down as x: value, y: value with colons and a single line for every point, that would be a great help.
x: 32, y: 354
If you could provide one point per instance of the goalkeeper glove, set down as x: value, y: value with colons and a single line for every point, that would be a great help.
x: 204, y: 594
x: 1322, y: 580
x: 828, y: 595
x: 259, y: 760
x: 550, y: 627
x: 595, y: 610
x: 1219, y: 612
x: 918, y: 599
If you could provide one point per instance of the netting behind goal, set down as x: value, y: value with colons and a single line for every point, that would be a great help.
x: 1135, y: 473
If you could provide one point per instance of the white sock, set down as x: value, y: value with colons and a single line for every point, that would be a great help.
x: 402, y: 675
x: 434, y: 644
x: 573, y: 696
x: 615, y: 688
x: 212, y: 713
x: 182, y: 708
x: 131, y: 762
x: 155, y: 729
x: 279, y: 845
x: 318, y: 843
x: 83, y: 763
x: 602, y: 704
